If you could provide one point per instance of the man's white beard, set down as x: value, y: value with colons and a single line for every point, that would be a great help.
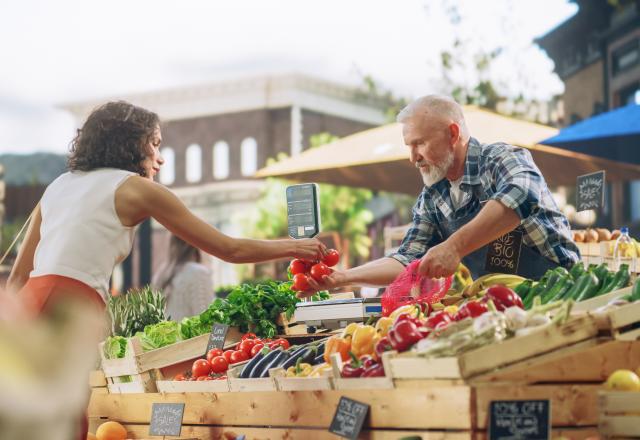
x: 435, y: 173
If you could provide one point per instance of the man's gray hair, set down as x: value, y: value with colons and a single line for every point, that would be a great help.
x: 439, y: 105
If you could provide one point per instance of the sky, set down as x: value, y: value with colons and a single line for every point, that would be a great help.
x: 56, y: 52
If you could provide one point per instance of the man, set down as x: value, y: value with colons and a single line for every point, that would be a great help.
x: 473, y: 195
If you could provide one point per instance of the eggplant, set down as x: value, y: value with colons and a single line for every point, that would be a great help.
x: 249, y: 366
x: 307, y: 354
x: 276, y: 362
x: 318, y: 359
x: 321, y: 347
x: 266, y: 360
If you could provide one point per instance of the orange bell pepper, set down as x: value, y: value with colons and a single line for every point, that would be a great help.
x: 336, y: 344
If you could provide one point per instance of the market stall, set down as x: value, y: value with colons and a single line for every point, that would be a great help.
x: 425, y: 371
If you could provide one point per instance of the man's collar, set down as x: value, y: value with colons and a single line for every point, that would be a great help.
x: 471, y: 175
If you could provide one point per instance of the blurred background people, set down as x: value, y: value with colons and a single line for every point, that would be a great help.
x: 184, y: 280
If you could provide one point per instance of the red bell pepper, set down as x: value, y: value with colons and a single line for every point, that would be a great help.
x: 403, y: 335
x: 437, y: 318
x: 375, y: 370
x: 503, y: 297
x: 381, y: 346
x: 471, y: 309
x: 406, y: 317
x: 353, y: 368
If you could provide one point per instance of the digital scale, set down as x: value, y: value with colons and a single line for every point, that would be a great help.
x: 336, y: 313
x: 303, y: 217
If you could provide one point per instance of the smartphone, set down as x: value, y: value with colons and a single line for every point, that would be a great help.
x: 303, y: 210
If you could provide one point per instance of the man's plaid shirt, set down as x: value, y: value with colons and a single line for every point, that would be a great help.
x: 507, y: 174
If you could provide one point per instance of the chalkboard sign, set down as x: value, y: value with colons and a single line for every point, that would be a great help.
x: 166, y: 419
x: 503, y: 255
x: 520, y: 420
x: 348, y: 418
x: 590, y: 191
x: 217, y: 337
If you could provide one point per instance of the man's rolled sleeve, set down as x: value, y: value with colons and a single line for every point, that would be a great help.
x: 418, y: 239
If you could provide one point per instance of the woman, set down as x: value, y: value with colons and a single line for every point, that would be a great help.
x: 185, y: 282
x: 85, y: 222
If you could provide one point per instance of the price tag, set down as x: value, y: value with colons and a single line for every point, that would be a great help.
x: 166, y: 419
x: 349, y: 417
x: 503, y: 255
x: 217, y: 337
x: 520, y: 419
x: 590, y: 191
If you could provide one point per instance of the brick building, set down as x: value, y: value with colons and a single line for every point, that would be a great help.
x: 216, y: 136
x: 597, y: 54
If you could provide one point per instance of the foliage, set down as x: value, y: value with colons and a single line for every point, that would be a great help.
x: 132, y: 312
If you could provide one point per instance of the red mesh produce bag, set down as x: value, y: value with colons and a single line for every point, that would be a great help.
x: 410, y: 287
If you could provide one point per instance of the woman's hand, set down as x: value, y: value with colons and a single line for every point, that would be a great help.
x: 309, y: 249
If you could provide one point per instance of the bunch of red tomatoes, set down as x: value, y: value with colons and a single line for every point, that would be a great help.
x: 303, y: 269
x: 215, y: 366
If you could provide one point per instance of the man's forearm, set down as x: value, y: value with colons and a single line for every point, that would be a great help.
x: 492, y: 222
x: 380, y: 272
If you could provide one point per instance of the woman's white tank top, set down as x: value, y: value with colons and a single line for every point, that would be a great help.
x: 81, y: 236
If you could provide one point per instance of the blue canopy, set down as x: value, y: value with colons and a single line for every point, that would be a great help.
x: 613, y: 135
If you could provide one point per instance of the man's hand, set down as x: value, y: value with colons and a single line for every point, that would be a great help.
x: 440, y: 261
x: 336, y: 279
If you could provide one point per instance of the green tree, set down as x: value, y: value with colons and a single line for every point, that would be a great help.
x: 342, y: 209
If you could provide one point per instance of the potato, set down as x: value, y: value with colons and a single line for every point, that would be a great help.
x: 615, y: 234
x: 603, y: 234
x: 591, y: 236
x: 578, y: 236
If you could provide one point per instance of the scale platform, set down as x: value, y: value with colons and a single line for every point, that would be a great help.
x: 336, y: 313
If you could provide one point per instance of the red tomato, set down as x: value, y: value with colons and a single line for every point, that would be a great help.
x: 319, y: 270
x: 219, y: 364
x: 205, y: 378
x: 247, y: 345
x: 300, y: 282
x: 280, y: 343
x: 248, y: 336
x: 297, y: 266
x: 180, y: 377
x: 200, y: 368
x: 227, y: 355
x: 255, y: 349
x: 332, y: 258
x: 221, y: 378
x: 213, y: 353
x: 239, y: 356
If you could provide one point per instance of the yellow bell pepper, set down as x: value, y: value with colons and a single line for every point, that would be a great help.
x: 362, y: 342
x: 451, y: 310
x: 384, y: 325
x: 299, y: 370
x: 348, y: 330
x: 320, y: 370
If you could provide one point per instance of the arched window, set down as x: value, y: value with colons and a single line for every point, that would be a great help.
x: 168, y: 169
x: 221, y: 160
x: 249, y: 155
x: 194, y: 163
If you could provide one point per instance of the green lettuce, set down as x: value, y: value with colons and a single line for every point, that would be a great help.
x: 115, y: 347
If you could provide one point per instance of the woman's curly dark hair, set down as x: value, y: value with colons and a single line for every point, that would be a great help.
x: 115, y: 135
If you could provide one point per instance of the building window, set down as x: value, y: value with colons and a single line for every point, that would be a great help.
x: 626, y: 57
x: 168, y: 169
x: 249, y: 155
x: 194, y: 163
x: 221, y: 160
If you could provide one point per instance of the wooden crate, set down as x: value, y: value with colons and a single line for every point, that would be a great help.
x: 144, y: 368
x: 187, y: 386
x: 599, y: 301
x: 304, y: 383
x: 548, y: 338
x: 619, y: 414
x: 623, y: 323
x: 590, y: 361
